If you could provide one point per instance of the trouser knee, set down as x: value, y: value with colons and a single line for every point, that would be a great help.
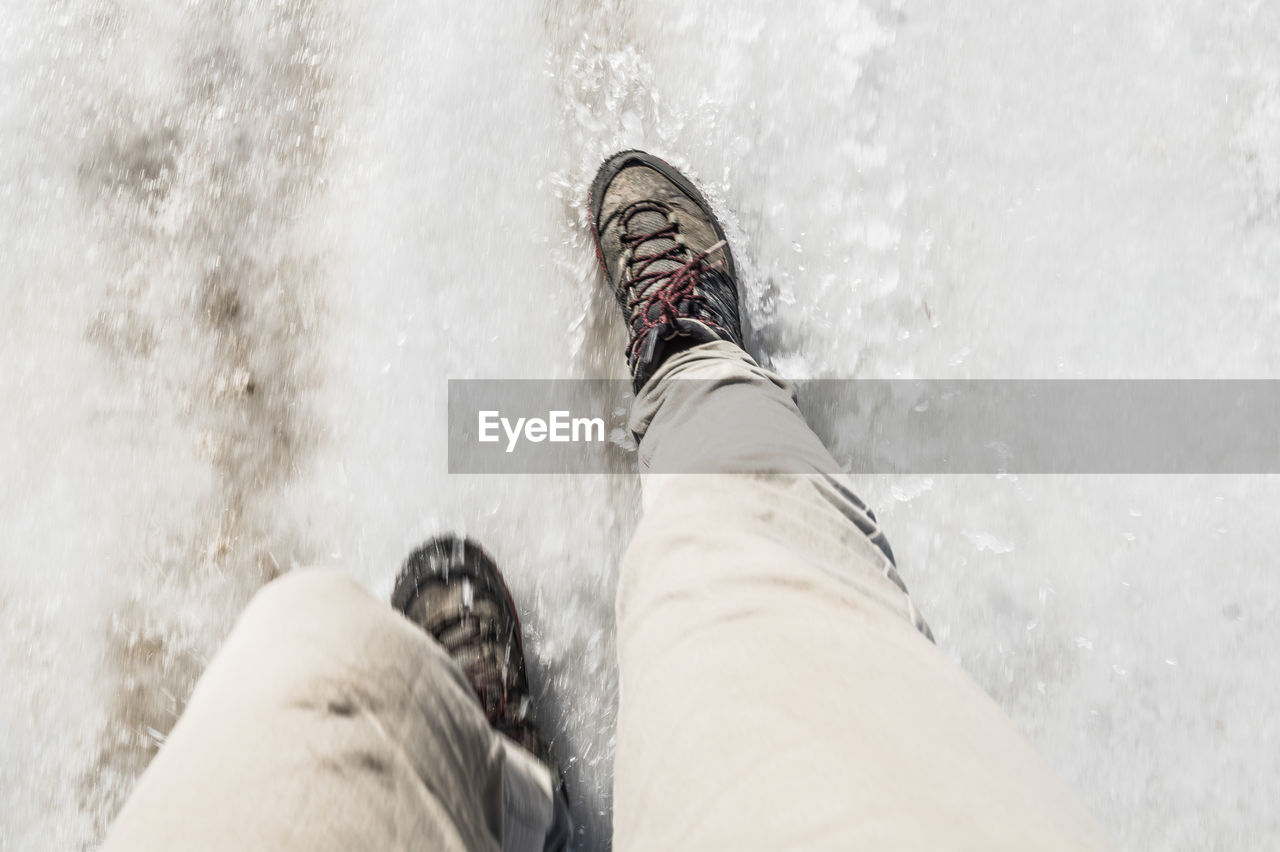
x: 305, y: 594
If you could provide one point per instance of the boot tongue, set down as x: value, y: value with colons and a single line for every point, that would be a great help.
x: 648, y: 222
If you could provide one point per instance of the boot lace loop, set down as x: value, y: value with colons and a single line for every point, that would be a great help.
x: 673, y: 291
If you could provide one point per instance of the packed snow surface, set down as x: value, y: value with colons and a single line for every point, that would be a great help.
x: 243, y: 245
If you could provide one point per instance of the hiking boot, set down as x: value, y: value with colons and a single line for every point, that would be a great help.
x: 452, y: 589
x: 666, y: 257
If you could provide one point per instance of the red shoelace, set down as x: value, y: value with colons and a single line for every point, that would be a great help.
x: 680, y: 284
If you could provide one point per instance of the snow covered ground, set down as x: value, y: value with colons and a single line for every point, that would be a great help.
x: 244, y: 244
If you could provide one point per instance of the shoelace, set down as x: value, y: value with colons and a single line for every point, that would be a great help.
x: 680, y: 284
x: 464, y: 636
x: 466, y: 625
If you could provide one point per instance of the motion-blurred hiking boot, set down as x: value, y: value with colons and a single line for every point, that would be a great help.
x: 666, y: 257
x: 452, y: 589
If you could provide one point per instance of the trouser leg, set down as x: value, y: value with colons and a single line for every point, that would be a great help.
x: 777, y: 687
x: 329, y: 722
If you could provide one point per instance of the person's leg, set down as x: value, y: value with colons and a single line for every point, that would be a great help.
x: 777, y: 689
x: 330, y: 722
x: 777, y: 686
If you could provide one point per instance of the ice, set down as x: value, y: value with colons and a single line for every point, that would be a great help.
x: 986, y: 541
x: 245, y: 244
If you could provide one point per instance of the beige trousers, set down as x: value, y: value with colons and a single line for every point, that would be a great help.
x: 777, y: 688
x: 330, y: 722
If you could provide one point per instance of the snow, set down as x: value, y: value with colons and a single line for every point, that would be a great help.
x: 246, y: 244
